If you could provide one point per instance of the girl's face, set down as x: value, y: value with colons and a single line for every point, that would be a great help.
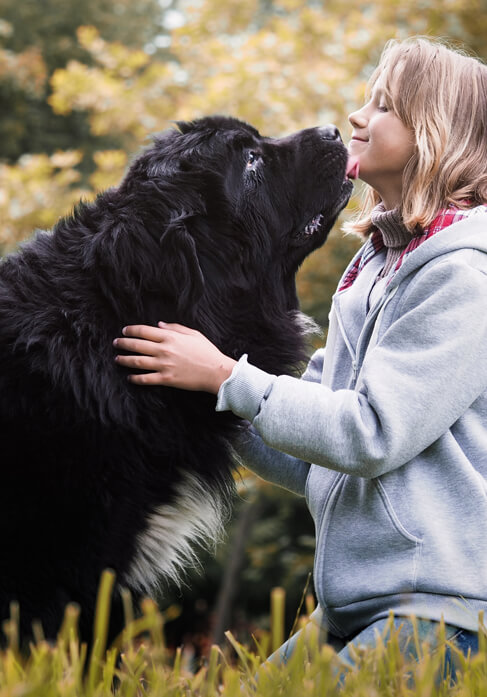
x: 383, y: 145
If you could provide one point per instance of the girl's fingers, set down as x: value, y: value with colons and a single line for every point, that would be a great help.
x: 144, y: 331
x: 150, y: 348
x: 180, y: 328
x: 157, y: 334
x: 148, y: 379
x: 139, y: 362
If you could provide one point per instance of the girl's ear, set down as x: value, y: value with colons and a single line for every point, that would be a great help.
x: 180, y: 266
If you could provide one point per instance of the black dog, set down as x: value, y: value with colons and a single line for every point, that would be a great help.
x: 207, y: 229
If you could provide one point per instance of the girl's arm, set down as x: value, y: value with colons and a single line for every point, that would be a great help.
x: 416, y: 382
x: 424, y: 373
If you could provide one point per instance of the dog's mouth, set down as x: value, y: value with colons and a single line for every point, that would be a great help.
x: 327, y: 216
x: 313, y: 225
x: 312, y: 229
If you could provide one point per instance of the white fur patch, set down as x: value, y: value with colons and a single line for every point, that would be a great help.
x: 306, y: 324
x: 166, y: 548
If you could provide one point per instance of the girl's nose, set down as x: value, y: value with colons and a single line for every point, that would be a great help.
x: 358, y: 119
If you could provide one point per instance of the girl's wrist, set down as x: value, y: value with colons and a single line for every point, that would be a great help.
x: 223, y: 372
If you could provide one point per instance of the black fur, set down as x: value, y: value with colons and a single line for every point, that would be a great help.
x: 206, y: 229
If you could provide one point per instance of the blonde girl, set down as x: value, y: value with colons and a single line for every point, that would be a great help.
x: 386, y: 433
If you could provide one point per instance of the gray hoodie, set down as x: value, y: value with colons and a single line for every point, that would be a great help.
x: 393, y: 416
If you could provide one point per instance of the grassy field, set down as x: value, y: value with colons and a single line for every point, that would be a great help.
x: 140, y: 665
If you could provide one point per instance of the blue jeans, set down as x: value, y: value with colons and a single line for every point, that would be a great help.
x: 427, y: 632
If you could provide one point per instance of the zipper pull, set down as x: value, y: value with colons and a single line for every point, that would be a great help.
x: 354, y: 371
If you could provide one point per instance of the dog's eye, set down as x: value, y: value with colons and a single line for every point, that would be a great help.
x: 252, y: 158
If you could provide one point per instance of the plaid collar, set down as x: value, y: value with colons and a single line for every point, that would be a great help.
x: 446, y: 217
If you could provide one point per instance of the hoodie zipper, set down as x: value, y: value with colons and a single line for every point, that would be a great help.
x: 375, y: 320
x: 346, y: 341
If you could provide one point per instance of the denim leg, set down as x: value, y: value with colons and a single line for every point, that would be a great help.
x: 466, y: 642
x: 427, y: 633
x: 284, y: 652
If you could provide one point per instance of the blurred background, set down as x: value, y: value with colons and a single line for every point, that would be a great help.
x: 83, y: 84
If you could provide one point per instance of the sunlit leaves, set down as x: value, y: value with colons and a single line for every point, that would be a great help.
x: 27, y: 69
x: 35, y: 192
x: 125, y: 92
x: 281, y: 65
x: 111, y: 165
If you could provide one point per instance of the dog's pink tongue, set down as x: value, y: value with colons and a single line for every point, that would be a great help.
x: 353, y: 167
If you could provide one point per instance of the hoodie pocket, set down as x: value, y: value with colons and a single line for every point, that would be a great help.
x: 365, y: 550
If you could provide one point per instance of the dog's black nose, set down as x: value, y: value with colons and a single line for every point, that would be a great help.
x: 330, y: 132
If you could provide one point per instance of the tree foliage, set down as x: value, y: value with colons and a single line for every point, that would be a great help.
x: 282, y: 65
x: 37, y: 38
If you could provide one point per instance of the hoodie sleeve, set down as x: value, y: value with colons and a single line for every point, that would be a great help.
x: 272, y: 465
x: 426, y: 370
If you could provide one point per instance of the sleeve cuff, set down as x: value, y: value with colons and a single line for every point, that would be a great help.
x: 243, y: 391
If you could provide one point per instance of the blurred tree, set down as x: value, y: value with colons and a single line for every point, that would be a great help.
x: 280, y: 64
x: 39, y: 37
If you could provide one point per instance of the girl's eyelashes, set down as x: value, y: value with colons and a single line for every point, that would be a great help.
x: 383, y: 107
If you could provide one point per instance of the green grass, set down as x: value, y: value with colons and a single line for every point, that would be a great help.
x: 139, y: 664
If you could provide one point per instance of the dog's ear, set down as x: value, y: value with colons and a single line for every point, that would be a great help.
x: 181, y: 268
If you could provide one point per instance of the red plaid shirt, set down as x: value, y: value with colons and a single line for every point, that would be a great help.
x: 446, y: 217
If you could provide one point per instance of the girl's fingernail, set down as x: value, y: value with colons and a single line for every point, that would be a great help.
x: 115, y: 342
x: 124, y: 330
x: 161, y: 324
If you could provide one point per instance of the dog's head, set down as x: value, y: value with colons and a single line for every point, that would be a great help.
x: 234, y: 213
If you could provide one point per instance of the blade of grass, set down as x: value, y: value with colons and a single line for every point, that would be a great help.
x: 102, y: 619
x: 278, y: 599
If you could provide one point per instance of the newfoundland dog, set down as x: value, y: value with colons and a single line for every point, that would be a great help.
x: 208, y: 228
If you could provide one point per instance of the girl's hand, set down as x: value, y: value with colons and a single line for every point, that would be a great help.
x: 176, y: 355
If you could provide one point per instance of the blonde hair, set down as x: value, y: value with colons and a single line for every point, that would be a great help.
x: 441, y: 94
